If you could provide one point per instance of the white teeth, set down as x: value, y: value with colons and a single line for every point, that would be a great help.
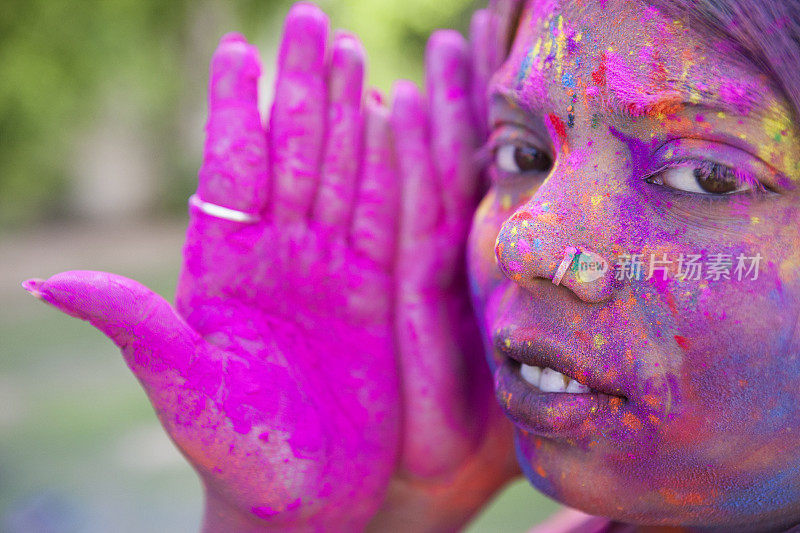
x: 548, y: 380
x: 577, y: 388
x: 552, y: 381
x: 531, y: 374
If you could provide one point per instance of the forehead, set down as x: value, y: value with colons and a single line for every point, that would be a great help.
x: 636, y: 55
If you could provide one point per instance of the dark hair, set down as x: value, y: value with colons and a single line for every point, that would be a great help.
x: 765, y: 32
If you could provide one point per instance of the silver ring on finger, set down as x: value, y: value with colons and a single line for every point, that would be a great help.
x: 224, y: 213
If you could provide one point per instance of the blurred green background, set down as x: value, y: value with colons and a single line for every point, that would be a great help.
x: 101, y: 130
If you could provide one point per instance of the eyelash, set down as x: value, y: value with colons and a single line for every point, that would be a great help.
x: 756, y: 187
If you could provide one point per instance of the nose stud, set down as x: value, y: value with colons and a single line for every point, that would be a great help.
x: 589, y: 266
x: 569, y: 256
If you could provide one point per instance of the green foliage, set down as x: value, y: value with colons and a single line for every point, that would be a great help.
x: 57, y: 60
x: 54, y: 60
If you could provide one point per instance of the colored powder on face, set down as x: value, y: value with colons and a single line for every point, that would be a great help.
x: 599, y: 341
x: 572, y: 46
x: 527, y: 63
x: 776, y: 128
x: 639, y: 99
x: 599, y: 75
x: 560, y: 44
x: 739, y: 94
x: 683, y: 342
x: 559, y: 127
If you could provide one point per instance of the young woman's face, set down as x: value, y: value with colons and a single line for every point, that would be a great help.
x: 617, y: 130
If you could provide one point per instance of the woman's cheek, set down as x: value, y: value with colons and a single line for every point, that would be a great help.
x: 730, y: 334
x: 480, y: 251
x: 489, y: 217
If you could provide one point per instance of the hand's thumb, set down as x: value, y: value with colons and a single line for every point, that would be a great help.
x: 150, y: 333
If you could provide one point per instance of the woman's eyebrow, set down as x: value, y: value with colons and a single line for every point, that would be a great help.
x: 630, y: 100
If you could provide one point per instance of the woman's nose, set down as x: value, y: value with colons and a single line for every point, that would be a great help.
x: 538, y: 245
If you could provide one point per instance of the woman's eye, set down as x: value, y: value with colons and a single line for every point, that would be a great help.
x: 516, y: 159
x: 702, y: 178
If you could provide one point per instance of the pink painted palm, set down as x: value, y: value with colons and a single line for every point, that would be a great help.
x: 326, y: 352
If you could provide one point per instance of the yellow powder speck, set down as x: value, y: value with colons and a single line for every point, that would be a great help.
x: 548, y: 46
x: 754, y: 220
x: 775, y: 123
x: 721, y: 114
x: 742, y: 136
x: 513, y: 230
x: 596, y: 199
x: 508, y: 343
x: 599, y: 340
x: 560, y: 44
x: 525, y: 224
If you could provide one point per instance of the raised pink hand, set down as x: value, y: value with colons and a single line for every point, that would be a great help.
x: 275, y: 373
x: 325, y: 353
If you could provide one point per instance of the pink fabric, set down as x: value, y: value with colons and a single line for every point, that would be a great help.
x: 572, y: 521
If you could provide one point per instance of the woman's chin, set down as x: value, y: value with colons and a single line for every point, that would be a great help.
x: 580, y: 479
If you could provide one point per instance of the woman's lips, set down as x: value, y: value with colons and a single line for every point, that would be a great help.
x: 550, y: 391
x: 573, y: 362
x: 552, y: 414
